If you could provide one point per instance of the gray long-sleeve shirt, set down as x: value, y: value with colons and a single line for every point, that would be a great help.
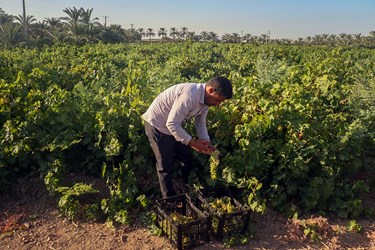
x: 175, y: 105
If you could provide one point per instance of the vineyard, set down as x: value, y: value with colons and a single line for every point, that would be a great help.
x: 298, y: 134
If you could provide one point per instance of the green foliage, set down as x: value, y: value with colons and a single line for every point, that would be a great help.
x: 122, y: 183
x: 70, y: 204
x: 298, y: 130
x: 53, y: 176
x: 256, y: 203
x: 353, y: 226
x: 311, y: 231
x: 236, y: 239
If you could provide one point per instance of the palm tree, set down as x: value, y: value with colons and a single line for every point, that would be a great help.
x: 113, y: 34
x: 286, y: 41
x: 53, y: 21
x: 86, y: 17
x: 358, y: 38
x: 212, y: 36
x: 132, y: 35
x: 192, y: 36
x: 25, y: 22
x: 317, y: 40
x: 344, y: 38
x: 162, y: 32
x: 183, y: 32
x: 226, y: 38
x: 332, y: 39
x: 368, y: 42
x: 90, y: 24
x: 308, y: 40
x: 9, y: 34
x: 38, y: 32
x: 236, y: 38
x: 325, y: 38
x: 173, y: 32
x: 150, y: 33
x: 204, y: 35
x: 141, y: 31
x: 74, y: 15
x: 264, y: 38
x: 299, y: 41
x: 246, y: 38
x: 5, y: 18
x: 54, y: 29
x: 29, y: 19
x: 76, y: 30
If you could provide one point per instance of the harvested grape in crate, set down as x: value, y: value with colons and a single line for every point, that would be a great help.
x: 182, y: 222
x: 229, y: 216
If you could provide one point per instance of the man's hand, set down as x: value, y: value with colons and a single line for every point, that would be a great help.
x: 202, y: 146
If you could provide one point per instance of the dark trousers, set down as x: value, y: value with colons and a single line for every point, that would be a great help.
x: 167, y: 151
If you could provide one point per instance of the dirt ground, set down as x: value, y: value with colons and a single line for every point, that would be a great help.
x: 29, y: 220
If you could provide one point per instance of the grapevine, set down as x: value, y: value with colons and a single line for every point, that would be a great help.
x: 59, y: 104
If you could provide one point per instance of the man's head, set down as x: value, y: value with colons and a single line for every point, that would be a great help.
x: 218, y: 89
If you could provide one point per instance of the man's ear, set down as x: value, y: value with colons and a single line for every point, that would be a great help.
x: 210, y: 90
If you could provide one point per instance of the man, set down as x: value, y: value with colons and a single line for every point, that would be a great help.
x: 164, y: 120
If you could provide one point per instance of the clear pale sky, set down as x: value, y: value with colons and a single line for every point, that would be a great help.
x: 282, y: 18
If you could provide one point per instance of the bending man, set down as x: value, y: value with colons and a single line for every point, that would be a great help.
x: 164, y: 121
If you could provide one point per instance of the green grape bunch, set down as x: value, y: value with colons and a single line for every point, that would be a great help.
x: 214, y: 163
x: 223, y: 205
x: 188, y: 234
x: 181, y: 219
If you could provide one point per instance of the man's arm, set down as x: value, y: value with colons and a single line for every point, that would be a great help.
x: 201, y: 126
x: 177, y: 115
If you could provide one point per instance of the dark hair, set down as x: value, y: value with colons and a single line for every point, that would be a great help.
x: 222, y: 86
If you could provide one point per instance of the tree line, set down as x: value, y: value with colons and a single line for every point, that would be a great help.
x: 80, y: 27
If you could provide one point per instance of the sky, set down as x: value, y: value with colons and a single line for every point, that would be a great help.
x: 290, y: 19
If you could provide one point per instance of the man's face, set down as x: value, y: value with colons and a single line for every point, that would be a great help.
x: 212, y: 98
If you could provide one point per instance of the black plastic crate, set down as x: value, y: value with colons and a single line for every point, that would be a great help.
x: 223, y: 223
x: 183, y: 235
